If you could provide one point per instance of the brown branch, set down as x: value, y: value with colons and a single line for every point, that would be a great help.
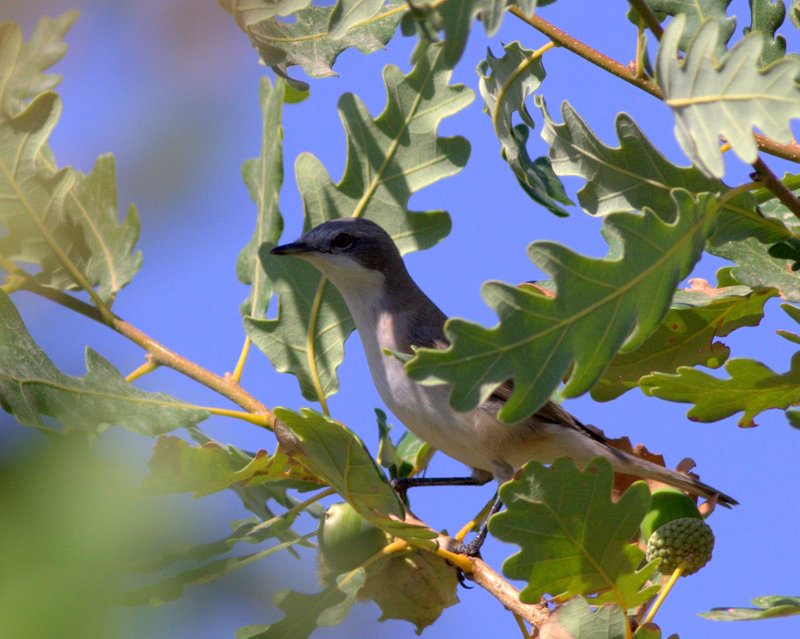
x: 773, y: 183
x: 506, y: 594
x: 789, y: 152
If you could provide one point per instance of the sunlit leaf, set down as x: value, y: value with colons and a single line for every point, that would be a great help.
x: 696, y: 13
x: 769, y: 607
x: 409, y: 457
x: 728, y: 98
x: 347, y: 14
x: 686, y: 336
x: 573, y: 539
x: 31, y: 386
x: 505, y: 84
x: 600, y: 305
x: 765, y: 18
x: 263, y: 176
x: 389, y: 158
x: 252, y: 12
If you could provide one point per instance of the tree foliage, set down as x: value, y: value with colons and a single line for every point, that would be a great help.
x: 599, y: 325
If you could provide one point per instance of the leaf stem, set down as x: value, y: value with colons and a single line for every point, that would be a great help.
x: 663, y: 594
x: 789, y: 152
x: 521, y: 623
x: 773, y: 183
x: 237, y: 372
x: 144, y: 369
x: 650, y: 19
x: 311, y: 347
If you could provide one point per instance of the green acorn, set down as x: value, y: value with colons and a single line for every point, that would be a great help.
x: 346, y: 539
x: 666, y: 504
x: 687, y: 541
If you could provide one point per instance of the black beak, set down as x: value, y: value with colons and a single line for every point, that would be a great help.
x: 295, y: 248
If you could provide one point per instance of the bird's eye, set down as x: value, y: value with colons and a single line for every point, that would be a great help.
x: 341, y: 241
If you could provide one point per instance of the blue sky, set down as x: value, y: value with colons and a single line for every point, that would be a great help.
x: 171, y: 89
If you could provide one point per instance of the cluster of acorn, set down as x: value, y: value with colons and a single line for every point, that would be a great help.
x: 673, y: 529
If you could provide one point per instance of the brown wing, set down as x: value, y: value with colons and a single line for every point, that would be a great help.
x: 550, y: 412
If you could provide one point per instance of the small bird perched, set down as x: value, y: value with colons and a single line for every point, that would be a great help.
x: 391, y: 313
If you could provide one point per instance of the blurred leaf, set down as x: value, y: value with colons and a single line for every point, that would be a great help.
x: 650, y: 631
x: 697, y: 13
x: 348, y: 14
x: 70, y: 524
x: 576, y: 620
x: 751, y: 388
x: 768, y: 607
x: 31, y: 386
x: 573, y: 539
x: 756, y: 268
x: 728, y: 99
x: 389, y: 158
x: 306, y: 41
x: 171, y: 588
x: 305, y: 613
x: 409, y: 457
x: 177, y: 467
x: 334, y: 453
x: 416, y: 586
x: 505, y: 83
x: 263, y: 176
x: 601, y: 305
x: 22, y: 64
x: 765, y: 18
x: 686, y: 336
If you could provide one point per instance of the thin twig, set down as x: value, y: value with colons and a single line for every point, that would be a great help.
x: 506, y: 594
x: 773, y: 183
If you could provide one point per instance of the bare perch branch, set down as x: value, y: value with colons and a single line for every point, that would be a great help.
x: 773, y: 183
x: 506, y: 594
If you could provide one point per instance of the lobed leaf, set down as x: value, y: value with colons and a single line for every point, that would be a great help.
x: 696, y: 14
x: 252, y: 12
x: 306, y: 41
x: 409, y: 457
x: 22, y: 64
x: 765, y: 18
x: 31, y: 386
x: 389, y: 158
x: 600, y: 305
x: 263, y: 176
x: 751, y: 388
x: 686, y: 336
x: 573, y: 539
x: 728, y: 99
x: 505, y: 83
x: 767, y: 608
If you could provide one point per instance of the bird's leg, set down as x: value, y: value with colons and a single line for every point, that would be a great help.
x: 473, y: 548
x: 402, y: 484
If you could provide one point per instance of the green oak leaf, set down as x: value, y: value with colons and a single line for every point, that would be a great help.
x: 576, y: 620
x: 250, y: 13
x: 601, y: 305
x: 389, y: 158
x: 696, y: 14
x: 505, y: 83
x: 728, y: 98
x: 263, y: 176
x: 574, y: 540
x: 334, y: 453
x: 172, y: 587
x: 22, y: 64
x: 751, y: 388
x: 765, y: 18
x: 757, y: 268
x: 347, y: 14
x: 31, y: 386
x: 768, y: 607
x: 306, y: 41
x: 686, y: 336
x: 305, y: 613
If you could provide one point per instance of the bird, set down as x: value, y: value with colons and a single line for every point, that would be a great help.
x: 394, y: 316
